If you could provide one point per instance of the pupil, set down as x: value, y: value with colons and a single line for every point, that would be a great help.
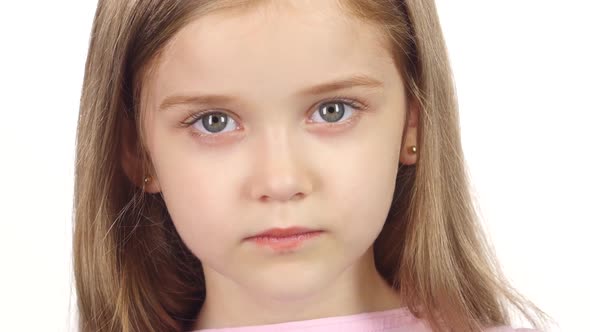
x: 333, y: 111
x: 214, y: 123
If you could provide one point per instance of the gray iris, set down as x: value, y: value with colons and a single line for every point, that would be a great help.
x: 215, y: 122
x: 332, y: 111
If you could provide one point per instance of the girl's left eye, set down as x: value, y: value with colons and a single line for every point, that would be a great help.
x: 335, y: 110
x: 210, y: 123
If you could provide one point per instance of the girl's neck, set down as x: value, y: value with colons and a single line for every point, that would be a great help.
x: 358, y: 289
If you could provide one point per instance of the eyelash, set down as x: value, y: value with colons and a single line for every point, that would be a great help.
x: 355, y: 104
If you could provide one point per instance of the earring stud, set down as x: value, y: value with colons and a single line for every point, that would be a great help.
x: 413, y: 149
x: 147, y: 179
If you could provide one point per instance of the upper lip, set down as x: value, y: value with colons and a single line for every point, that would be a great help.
x: 285, y: 232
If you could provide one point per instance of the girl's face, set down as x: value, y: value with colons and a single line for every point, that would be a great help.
x: 309, y: 112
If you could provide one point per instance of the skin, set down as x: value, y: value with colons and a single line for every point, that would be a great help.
x: 280, y: 164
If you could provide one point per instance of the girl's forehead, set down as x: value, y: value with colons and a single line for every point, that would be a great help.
x: 281, y: 47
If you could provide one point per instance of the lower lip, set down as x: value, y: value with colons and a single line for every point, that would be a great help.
x: 286, y: 242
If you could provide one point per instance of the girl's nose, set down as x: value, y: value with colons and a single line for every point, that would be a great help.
x: 279, y: 171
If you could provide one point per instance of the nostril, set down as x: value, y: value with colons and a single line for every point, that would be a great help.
x: 298, y: 196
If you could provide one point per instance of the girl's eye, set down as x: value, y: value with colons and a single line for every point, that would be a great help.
x: 212, y: 123
x: 334, y: 111
x: 215, y: 122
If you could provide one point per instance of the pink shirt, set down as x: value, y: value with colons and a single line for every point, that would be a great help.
x: 396, y: 320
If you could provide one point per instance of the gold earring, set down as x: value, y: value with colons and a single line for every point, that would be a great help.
x: 147, y: 179
x: 413, y: 149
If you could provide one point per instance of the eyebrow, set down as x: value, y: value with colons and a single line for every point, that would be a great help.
x: 341, y: 84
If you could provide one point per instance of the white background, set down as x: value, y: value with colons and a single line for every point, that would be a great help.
x: 522, y: 75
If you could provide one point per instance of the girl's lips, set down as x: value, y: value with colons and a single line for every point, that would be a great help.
x: 284, y: 239
x: 285, y: 232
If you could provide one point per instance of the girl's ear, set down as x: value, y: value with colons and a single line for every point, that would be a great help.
x: 131, y: 162
x: 408, y: 155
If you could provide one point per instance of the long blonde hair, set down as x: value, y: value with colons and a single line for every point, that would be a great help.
x: 134, y: 273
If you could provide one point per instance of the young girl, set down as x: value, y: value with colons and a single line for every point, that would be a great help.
x: 250, y: 165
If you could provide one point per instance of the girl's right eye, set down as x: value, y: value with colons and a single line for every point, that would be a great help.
x: 214, y: 122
